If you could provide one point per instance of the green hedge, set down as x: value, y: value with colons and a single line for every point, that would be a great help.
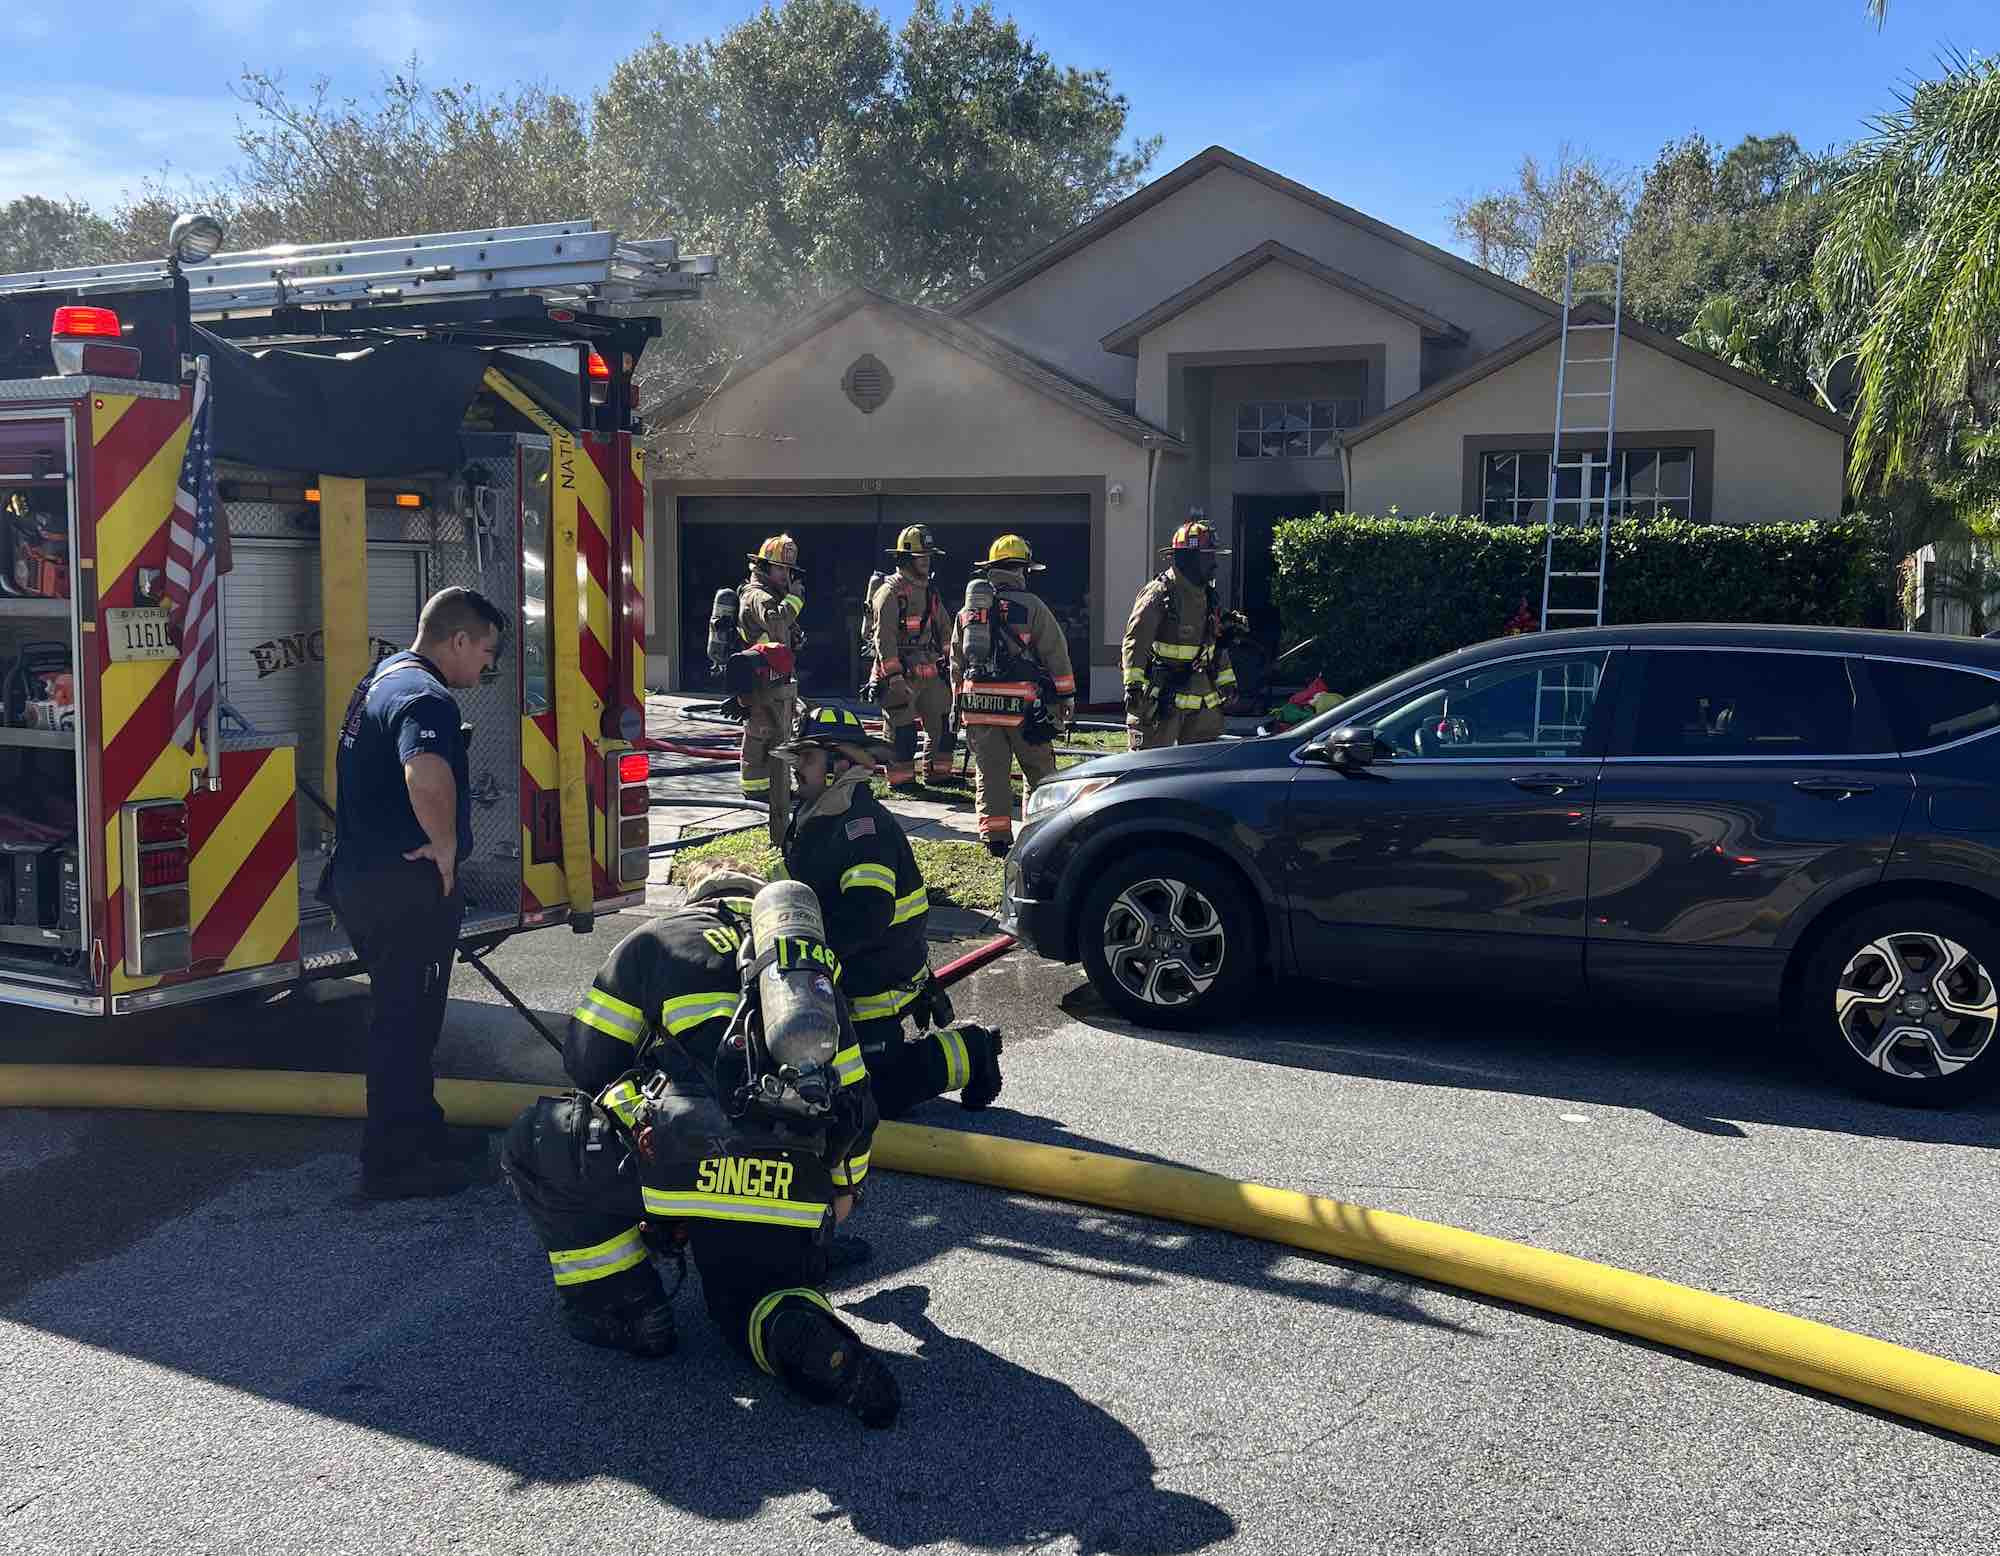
x: 1386, y: 593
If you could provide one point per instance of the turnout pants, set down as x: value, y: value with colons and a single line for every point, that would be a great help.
x: 1175, y: 727
x: 772, y: 711
x: 907, y: 1068
x: 757, y: 1224
x: 925, y: 707
x: 995, y: 749
x: 405, y: 931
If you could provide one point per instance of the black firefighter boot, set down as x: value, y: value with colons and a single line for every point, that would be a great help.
x: 984, y: 1086
x: 827, y: 1363
x: 643, y: 1326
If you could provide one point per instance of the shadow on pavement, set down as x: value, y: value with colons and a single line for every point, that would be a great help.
x: 246, y: 1260
x: 1705, y: 1073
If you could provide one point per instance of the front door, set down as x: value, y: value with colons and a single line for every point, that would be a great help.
x: 1742, y: 786
x: 1463, y: 853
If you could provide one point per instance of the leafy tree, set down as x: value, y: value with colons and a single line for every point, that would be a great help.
x: 1524, y: 231
x: 415, y: 158
x: 1721, y: 253
x: 811, y: 147
x: 43, y: 234
x: 1913, y: 254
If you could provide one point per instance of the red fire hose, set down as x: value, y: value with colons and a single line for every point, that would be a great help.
x: 974, y: 959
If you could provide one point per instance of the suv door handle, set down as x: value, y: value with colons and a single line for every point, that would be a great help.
x: 1831, y: 788
x: 1543, y: 783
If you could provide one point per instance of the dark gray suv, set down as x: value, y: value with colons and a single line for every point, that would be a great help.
x: 1711, y: 817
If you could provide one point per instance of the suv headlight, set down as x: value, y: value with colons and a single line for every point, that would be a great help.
x: 1052, y: 797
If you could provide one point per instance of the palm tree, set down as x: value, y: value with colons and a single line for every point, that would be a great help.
x: 1912, y: 257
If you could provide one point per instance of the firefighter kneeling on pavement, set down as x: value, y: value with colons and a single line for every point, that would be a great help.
x: 909, y: 633
x: 1015, y: 687
x: 852, y: 852
x: 764, y: 675
x: 722, y: 1104
x: 1176, y: 657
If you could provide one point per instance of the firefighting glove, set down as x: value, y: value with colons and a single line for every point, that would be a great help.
x: 1137, y: 704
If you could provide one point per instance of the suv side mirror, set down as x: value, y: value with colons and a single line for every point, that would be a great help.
x: 1344, y: 748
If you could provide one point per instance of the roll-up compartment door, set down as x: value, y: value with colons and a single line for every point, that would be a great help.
x: 273, y: 651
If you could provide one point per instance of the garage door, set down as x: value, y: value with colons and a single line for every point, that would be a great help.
x: 272, y: 651
x: 841, y: 541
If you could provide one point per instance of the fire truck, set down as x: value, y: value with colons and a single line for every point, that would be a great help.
x: 386, y: 418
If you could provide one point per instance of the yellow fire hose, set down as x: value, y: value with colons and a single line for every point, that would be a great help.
x: 1926, y: 1388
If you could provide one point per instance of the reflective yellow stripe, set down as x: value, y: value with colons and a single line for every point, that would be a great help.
x: 850, y: 1066
x: 911, y: 904
x: 763, y: 1310
x: 611, y: 1016
x: 849, y: 1173
x: 699, y: 1205
x: 795, y: 605
x: 1134, y: 676
x: 756, y: 785
x: 873, y: 1007
x: 1181, y: 651
x: 1227, y: 678
x: 868, y: 875
x: 685, y: 1011
x: 957, y: 1062
x: 573, y: 1266
x: 624, y: 1099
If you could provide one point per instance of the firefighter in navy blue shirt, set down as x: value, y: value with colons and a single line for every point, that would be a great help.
x: 404, y: 821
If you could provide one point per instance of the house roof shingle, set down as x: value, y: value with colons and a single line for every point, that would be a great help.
x: 1204, y: 162
x: 1534, y: 340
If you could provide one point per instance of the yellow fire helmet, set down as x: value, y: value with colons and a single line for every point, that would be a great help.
x: 916, y: 541
x: 1012, y: 551
x: 778, y: 551
x: 1196, y: 535
x: 834, y: 728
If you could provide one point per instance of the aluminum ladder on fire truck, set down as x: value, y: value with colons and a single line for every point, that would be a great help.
x: 1562, y: 702
x: 559, y: 262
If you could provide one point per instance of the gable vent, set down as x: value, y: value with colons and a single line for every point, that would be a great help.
x: 867, y: 383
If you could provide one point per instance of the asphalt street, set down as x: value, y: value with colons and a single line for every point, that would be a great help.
x: 210, y: 1343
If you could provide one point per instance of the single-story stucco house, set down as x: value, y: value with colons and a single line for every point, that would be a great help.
x: 1224, y: 338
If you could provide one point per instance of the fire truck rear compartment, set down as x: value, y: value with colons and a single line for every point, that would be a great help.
x: 42, y: 906
x: 273, y: 649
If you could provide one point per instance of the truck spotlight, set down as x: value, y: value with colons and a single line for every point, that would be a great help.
x: 193, y: 239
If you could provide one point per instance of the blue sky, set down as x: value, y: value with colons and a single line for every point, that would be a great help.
x: 1391, y: 108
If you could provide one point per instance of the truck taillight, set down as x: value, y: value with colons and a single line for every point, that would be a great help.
x: 156, y: 854
x: 598, y: 371
x: 88, y: 340
x: 166, y: 823
x: 635, y: 801
x: 163, y: 867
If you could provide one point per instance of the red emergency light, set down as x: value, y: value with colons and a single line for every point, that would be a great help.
x: 597, y: 367
x: 598, y: 371
x: 96, y: 323
x: 634, y: 767
x: 88, y: 340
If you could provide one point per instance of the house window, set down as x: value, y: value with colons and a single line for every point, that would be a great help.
x: 1643, y: 483
x: 1292, y: 429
